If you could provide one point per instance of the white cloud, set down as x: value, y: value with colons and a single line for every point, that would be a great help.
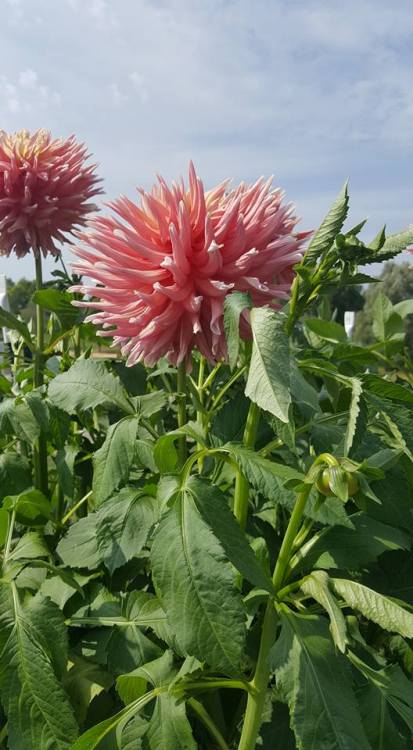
x: 312, y: 90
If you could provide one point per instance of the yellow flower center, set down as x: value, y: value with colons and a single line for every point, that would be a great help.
x: 23, y: 144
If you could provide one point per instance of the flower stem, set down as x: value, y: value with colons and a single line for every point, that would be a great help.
x: 182, y: 418
x: 241, y: 493
x: 73, y: 510
x: 259, y: 683
x: 199, y: 413
x: 40, y: 447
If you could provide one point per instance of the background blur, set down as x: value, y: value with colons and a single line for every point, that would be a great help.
x: 310, y: 91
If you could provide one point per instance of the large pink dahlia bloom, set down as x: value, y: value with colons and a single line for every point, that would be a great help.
x: 45, y: 187
x: 164, y: 267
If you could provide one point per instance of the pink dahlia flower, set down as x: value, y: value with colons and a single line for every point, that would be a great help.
x: 164, y: 267
x: 45, y: 187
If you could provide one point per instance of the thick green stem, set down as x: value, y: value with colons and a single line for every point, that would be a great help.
x: 182, y: 418
x: 241, y: 493
x: 40, y: 447
x: 259, y: 683
x: 199, y: 413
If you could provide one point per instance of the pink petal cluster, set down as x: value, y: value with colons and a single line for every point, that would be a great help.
x: 165, y: 266
x: 45, y: 187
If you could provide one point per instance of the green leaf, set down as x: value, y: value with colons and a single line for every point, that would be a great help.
x: 33, y: 652
x: 65, y: 464
x: 31, y: 506
x: 113, y: 728
x: 357, y: 419
x: 131, y: 737
x: 15, y: 474
x: 377, y: 719
x: 213, y: 507
x: 196, y: 587
x: 268, y: 383
x: 405, y: 307
x: 326, y: 329
x: 392, y: 685
x: 262, y: 472
x: 234, y: 305
x: 395, y: 244
x: 112, y: 462
x: 165, y: 454
x: 169, y: 727
x: 331, y: 225
x: 83, y: 682
x: 150, y: 403
x: 59, y: 303
x: 376, y: 607
x: 16, y: 418
x: 386, y: 389
x: 352, y: 548
x: 381, y: 312
x: 8, y: 320
x: 317, y: 586
x: 112, y: 535
x: 317, y: 686
x: 29, y: 547
x: 86, y: 385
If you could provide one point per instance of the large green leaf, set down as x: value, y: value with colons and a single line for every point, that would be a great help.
x: 105, y: 735
x: 261, y: 472
x: 316, y: 684
x: 234, y: 305
x: 376, y: 607
x: 113, y: 461
x: 111, y: 535
x: 87, y: 384
x: 377, y: 720
x: 352, y: 548
x: 168, y: 727
x: 213, y: 507
x: 196, y: 586
x: 268, y: 383
x: 317, y: 586
x: 391, y: 685
x: 331, y: 225
x: 33, y: 652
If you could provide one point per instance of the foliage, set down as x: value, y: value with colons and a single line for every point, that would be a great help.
x: 396, y: 283
x: 180, y: 581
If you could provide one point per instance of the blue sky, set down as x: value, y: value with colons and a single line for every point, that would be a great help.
x: 311, y: 91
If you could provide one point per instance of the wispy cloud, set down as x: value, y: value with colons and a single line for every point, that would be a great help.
x: 311, y: 90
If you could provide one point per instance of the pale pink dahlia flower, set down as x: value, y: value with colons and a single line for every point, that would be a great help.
x: 164, y: 267
x: 45, y: 187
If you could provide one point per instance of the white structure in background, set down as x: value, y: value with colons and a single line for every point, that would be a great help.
x: 4, y: 303
x: 349, y: 320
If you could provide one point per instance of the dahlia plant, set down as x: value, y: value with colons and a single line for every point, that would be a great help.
x: 221, y: 557
x: 45, y: 192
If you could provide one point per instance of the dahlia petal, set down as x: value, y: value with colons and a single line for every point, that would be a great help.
x: 165, y: 265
